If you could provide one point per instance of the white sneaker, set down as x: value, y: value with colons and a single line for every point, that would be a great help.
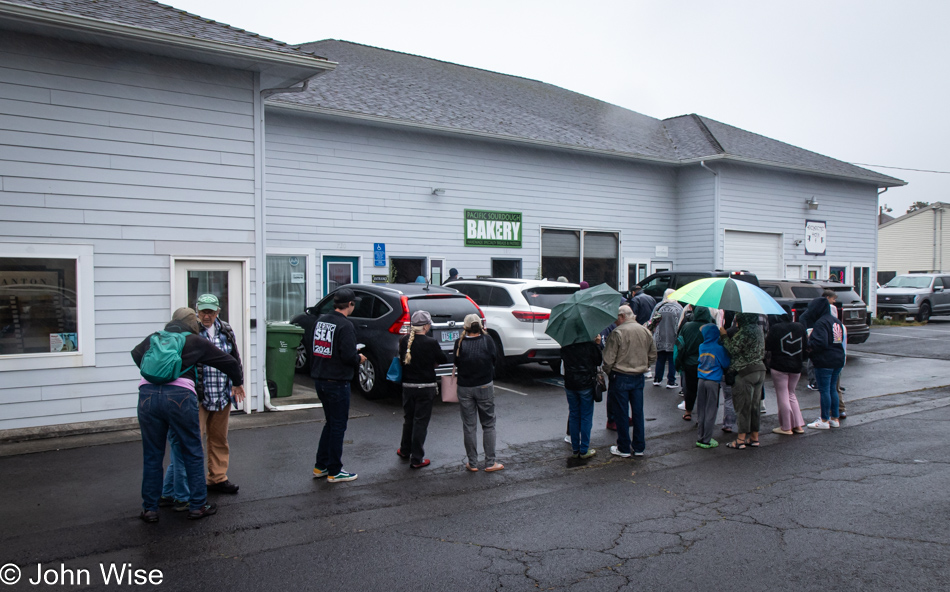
x: 567, y: 439
x: 638, y: 454
x: 670, y: 386
x: 682, y: 406
x: 762, y: 409
x: 648, y: 375
x: 655, y: 383
x: 616, y: 452
x: 834, y: 423
x: 819, y: 424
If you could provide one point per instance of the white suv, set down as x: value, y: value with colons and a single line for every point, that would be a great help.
x: 517, y: 313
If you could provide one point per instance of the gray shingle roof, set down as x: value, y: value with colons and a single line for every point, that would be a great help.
x: 412, y: 89
x: 147, y: 14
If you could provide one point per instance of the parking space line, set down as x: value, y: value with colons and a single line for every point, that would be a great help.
x: 511, y: 390
x: 908, y: 336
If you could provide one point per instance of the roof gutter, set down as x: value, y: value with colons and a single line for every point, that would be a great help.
x: 61, y: 20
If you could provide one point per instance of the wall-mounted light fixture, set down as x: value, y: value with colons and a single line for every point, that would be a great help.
x: 812, y: 203
x: 438, y: 191
x: 797, y: 242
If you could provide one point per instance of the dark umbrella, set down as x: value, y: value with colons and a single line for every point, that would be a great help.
x: 584, y: 315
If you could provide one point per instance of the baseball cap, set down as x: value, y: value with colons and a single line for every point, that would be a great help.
x: 471, y: 320
x: 208, y: 302
x: 421, y: 318
x: 344, y: 296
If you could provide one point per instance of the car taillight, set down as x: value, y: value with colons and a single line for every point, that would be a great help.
x: 481, y: 315
x: 531, y: 317
x: 401, y: 326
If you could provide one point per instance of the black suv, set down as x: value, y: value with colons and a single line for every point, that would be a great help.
x: 381, y: 317
x: 656, y: 284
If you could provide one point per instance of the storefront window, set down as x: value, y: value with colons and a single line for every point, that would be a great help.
x: 286, y: 286
x: 38, y: 306
x: 561, y: 254
x: 601, y: 261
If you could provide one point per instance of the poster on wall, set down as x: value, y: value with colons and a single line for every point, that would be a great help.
x: 485, y: 228
x: 816, y: 235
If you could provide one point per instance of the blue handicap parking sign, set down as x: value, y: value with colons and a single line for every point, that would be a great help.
x: 379, y: 254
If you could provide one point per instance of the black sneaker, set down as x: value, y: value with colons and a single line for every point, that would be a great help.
x: 149, y: 516
x: 206, y: 510
x: 166, y: 502
x: 224, y: 487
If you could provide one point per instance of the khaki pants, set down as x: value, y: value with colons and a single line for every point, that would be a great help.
x: 214, y: 437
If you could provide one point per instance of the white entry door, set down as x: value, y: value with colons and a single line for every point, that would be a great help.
x: 224, y: 279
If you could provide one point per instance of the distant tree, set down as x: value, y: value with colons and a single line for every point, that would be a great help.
x: 918, y: 205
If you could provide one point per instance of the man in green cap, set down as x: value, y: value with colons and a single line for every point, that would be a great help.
x: 217, y: 395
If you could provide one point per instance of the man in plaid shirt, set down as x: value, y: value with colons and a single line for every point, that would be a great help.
x: 216, y: 395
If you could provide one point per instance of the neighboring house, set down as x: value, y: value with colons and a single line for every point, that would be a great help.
x: 403, y: 145
x: 130, y: 180
x: 917, y: 242
x: 133, y: 177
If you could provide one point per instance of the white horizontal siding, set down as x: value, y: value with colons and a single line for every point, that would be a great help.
x: 339, y: 188
x: 696, y: 218
x: 142, y: 157
x: 908, y: 244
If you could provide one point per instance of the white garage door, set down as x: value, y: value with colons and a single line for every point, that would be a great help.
x: 758, y: 252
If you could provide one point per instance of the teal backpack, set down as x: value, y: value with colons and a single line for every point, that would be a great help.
x: 161, y: 363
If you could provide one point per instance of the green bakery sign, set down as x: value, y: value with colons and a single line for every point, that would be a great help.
x: 484, y: 228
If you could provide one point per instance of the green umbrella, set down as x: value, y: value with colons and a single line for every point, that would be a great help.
x: 585, y: 314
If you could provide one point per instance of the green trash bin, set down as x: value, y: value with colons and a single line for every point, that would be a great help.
x: 282, y: 342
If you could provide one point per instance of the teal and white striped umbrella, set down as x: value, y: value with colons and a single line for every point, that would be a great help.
x: 728, y: 294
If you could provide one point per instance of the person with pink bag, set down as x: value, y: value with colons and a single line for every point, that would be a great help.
x: 419, y: 355
x: 475, y: 364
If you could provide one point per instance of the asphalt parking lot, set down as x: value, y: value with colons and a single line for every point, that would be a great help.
x: 927, y: 341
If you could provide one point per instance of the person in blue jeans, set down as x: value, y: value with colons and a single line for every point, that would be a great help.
x: 334, y: 364
x: 628, y: 355
x: 175, y: 492
x: 826, y: 350
x: 581, y: 361
x: 173, y: 407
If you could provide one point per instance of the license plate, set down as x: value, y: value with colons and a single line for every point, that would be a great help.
x: 854, y: 314
x: 450, y: 336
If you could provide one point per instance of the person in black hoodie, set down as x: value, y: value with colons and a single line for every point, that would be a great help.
x: 475, y: 362
x: 335, y: 361
x: 173, y: 406
x: 785, y: 355
x: 419, y: 355
x: 826, y: 351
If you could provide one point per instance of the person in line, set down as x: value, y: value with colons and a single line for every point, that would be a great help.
x: 808, y: 319
x: 581, y: 361
x: 785, y: 357
x: 215, y: 395
x: 628, y: 355
x: 173, y: 407
x: 475, y: 363
x: 453, y: 275
x: 687, y: 355
x: 713, y: 361
x: 642, y: 304
x: 335, y: 362
x: 584, y: 286
x: 664, y: 335
x: 826, y: 351
x: 746, y: 348
x: 419, y: 355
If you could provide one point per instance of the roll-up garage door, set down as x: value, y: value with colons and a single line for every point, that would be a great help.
x: 758, y: 252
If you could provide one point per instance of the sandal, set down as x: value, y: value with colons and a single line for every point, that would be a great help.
x: 798, y: 430
x: 471, y: 468
x: 687, y: 417
x: 737, y: 444
x: 754, y: 443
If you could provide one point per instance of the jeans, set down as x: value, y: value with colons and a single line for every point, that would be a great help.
x: 417, y: 411
x: 335, y: 396
x: 478, y: 401
x: 176, y: 480
x: 581, y: 418
x: 627, y: 392
x: 827, y: 378
x: 664, y: 359
x: 163, y: 409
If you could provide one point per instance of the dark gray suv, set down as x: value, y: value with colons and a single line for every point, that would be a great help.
x: 381, y: 318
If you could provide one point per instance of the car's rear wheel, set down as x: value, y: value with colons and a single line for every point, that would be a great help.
x: 501, y: 364
x: 923, y: 315
x: 300, y: 364
x: 371, y: 379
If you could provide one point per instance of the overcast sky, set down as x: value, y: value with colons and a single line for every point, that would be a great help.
x: 861, y: 81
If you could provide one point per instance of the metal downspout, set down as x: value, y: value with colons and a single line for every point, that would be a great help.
x: 716, y: 262
x: 935, y: 210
